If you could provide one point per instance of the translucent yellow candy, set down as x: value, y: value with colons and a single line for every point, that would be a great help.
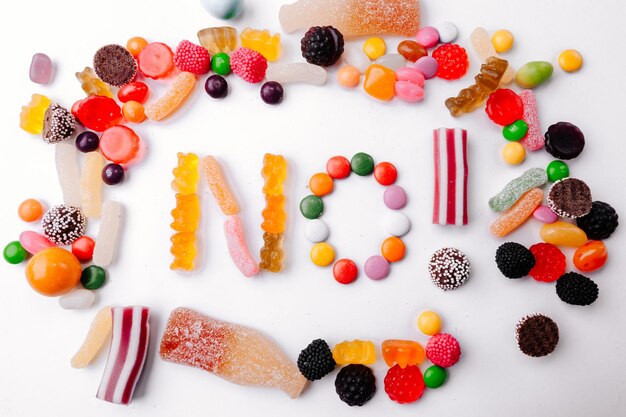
x: 502, y: 40
x: 322, y: 254
x: 99, y: 332
x: 570, y: 60
x: 355, y: 352
x: 514, y: 153
x: 92, y: 85
x: 32, y: 115
x: 262, y: 41
x: 374, y: 48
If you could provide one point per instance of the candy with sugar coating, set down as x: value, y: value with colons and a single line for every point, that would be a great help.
x: 534, y: 177
x: 238, y: 247
x: 219, y: 188
x: 518, y: 213
x: 179, y: 91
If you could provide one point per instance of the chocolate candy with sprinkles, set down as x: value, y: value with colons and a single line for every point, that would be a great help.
x: 63, y: 224
x: 115, y: 65
x: 537, y: 335
x: 570, y: 197
x: 449, y: 268
x: 58, y: 124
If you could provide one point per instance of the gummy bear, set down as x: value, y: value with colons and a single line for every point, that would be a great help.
x: 403, y: 352
x: 92, y: 85
x: 32, y: 115
x: 186, y: 174
x: 355, y: 352
x: 184, y: 251
x: 272, y: 252
x: 263, y: 42
x: 274, y: 172
x: 218, y: 39
x: 274, y: 217
x: 186, y: 214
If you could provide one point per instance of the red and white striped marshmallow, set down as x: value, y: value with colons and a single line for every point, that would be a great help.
x: 450, y: 152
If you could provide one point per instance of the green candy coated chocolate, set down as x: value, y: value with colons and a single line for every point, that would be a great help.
x: 557, y: 170
x: 515, y: 131
x: 312, y: 207
x: 435, y: 376
x: 362, y: 164
x: 14, y: 253
x: 533, y: 74
x: 93, y: 277
x: 220, y: 64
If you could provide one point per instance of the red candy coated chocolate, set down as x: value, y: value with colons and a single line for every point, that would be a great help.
x: 345, y: 271
x: 385, y: 173
x: 338, y: 167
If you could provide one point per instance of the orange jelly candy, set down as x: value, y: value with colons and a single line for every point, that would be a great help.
x: 53, y: 271
x: 591, y: 256
x: 30, y: 210
x: 321, y: 184
x: 380, y: 82
x: 403, y: 352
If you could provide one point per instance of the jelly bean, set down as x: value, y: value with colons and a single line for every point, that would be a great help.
x: 411, y: 75
x: 34, y: 242
x: 135, y: 45
x: 397, y: 224
x: 435, y: 376
x: 133, y: 112
x: 14, y: 253
x: 408, y: 91
x: 374, y: 48
x: 427, y: 65
x: 395, y: 197
x: 79, y: 299
x: 322, y: 254
x: 338, y: 167
x: 561, y: 233
x: 220, y: 63
x: 411, y: 50
x: 135, y: 91
x: 83, y: 248
x: 427, y: 36
x: 30, y: 210
x: 533, y: 74
x: 380, y: 82
x: 502, y: 40
x: 545, y: 214
x: 393, y: 249
x: 223, y: 9
x: 53, y: 271
x: 385, y: 173
x: 354, y: 56
x: 376, y: 268
x: 514, y: 153
x: 448, y: 32
x: 591, y: 256
x: 316, y: 231
x: 321, y: 184
x: 345, y: 271
x: 41, y: 69
x: 392, y: 61
x: 311, y: 207
x: 557, y: 170
x: 119, y: 144
x: 515, y: 131
x: 570, y: 60
x: 362, y: 164
x: 504, y: 107
x: 348, y: 76
x: 93, y: 277
x: 429, y: 323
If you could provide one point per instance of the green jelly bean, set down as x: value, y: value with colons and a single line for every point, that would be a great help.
x: 533, y: 74
x: 14, y: 253
x: 534, y: 177
x: 557, y: 170
x: 362, y: 164
x: 515, y: 131
x: 435, y: 376
x: 220, y: 64
x: 93, y: 277
x: 312, y: 207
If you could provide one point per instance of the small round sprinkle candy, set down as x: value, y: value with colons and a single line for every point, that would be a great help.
x: 316, y: 231
x: 448, y: 32
x: 14, y: 253
x: 435, y: 376
x: 376, y: 268
x: 449, y: 268
x: 557, y: 170
x: 515, y: 131
x: 429, y: 323
x: 395, y: 197
x: 502, y: 40
x: 393, y: 249
x: 514, y: 153
x: 311, y: 207
x: 362, y: 164
x: 397, y: 224
x: 93, y: 277
x: 537, y: 335
x: 322, y: 254
x: 385, y: 173
x: 63, y: 224
x: 570, y: 60
x: 338, y: 167
x: 30, y: 210
x: 345, y: 271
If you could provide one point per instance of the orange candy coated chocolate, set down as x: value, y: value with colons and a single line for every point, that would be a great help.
x: 380, y: 82
x: 30, y: 210
x: 403, y: 352
x: 53, y: 271
x: 321, y: 184
x: 179, y: 91
x: 393, y: 249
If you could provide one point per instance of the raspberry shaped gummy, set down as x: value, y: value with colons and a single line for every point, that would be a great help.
x: 355, y: 384
x: 514, y: 260
x: 248, y: 64
x: 600, y: 222
x: 443, y: 349
x: 452, y: 60
x: 549, y: 262
x: 316, y: 360
x: 576, y: 289
x: 404, y: 385
x: 322, y: 46
x: 192, y: 58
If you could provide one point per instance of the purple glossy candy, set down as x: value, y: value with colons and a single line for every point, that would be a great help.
x: 272, y: 92
x: 41, y: 69
x: 394, y: 197
x: 427, y: 36
x: 112, y: 174
x: 376, y: 268
x: 544, y: 214
x: 216, y: 86
x: 427, y: 65
x: 34, y: 242
x: 87, y: 142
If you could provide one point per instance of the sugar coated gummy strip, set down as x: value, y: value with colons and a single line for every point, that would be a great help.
x: 238, y: 248
x: 481, y: 42
x: 534, y: 139
x: 518, y: 214
x: 68, y: 173
x: 451, y: 172
x: 127, y: 354
x: 179, y: 91
x: 110, y: 225
x: 233, y: 352
x: 99, y: 332
x: 534, y: 177
x: 91, y: 184
x: 295, y: 72
x: 218, y: 186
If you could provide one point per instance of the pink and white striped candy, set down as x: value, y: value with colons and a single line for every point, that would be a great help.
x: 533, y: 141
x: 127, y: 354
x: 450, y: 152
x: 238, y: 247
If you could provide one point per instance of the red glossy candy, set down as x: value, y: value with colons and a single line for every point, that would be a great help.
x: 452, y: 60
x: 549, y: 262
x: 404, y: 385
x: 135, y: 91
x: 504, y: 107
x: 156, y: 60
x: 338, y: 167
x: 97, y: 113
x: 591, y: 256
x: 83, y: 247
x: 345, y: 271
x: 119, y: 144
x: 385, y: 173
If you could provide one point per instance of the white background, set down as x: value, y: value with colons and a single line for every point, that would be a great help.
x: 585, y: 375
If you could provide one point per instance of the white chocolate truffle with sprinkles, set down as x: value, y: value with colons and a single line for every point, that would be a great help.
x: 58, y: 124
x: 570, y: 197
x: 63, y: 224
x: 537, y: 335
x: 449, y: 268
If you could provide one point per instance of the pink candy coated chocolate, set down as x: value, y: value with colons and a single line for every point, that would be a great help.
x: 544, y: 214
x: 427, y: 36
x: 394, y: 197
x: 410, y: 74
x: 427, y: 65
x: 238, y: 248
x: 409, y: 92
x: 376, y: 268
x: 533, y: 140
x: 34, y: 242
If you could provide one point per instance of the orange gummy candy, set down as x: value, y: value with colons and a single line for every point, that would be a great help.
x: 186, y: 214
x: 518, y: 213
x: 403, y: 352
x: 274, y: 172
x: 184, y: 251
x: 380, y: 82
x: 355, y: 352
x: 218, y: 186
x: 179, y: 91
x: 274, y: 215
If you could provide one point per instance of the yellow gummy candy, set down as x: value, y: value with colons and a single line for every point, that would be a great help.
x: 99, y: 332
x: 355, y: 352
x: 92, y: 85
x: 263, y: 42
x: 32, y: 115
x: 186, y: 173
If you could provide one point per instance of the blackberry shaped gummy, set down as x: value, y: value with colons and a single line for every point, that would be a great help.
x: 514, y: 260
x: 316, y: 360
x: 355, y: 384
x: 322, y: 46
x: 576, y: 289
x: 600, y: 222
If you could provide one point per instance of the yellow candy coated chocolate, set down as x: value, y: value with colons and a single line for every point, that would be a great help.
x: 355, y: 352
x: 374, y: 48
x: 514, y: 153
x: 562, y: 233
x: 570, y: 60
x: 502, y: 40
x: 32, y: 115
x: 429, y: 323
x: 263, y: 42
x: 322, y: 254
